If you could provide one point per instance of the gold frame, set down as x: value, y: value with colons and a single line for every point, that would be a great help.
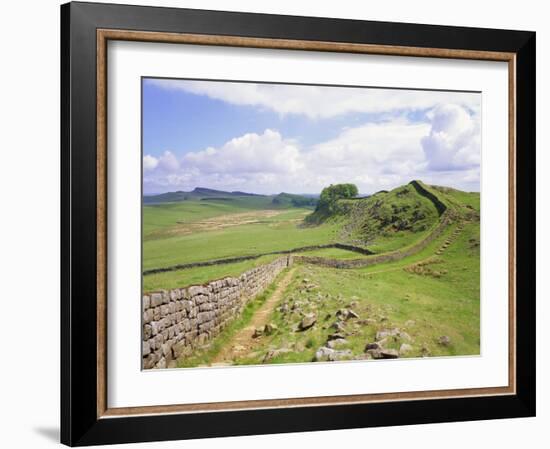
x: 104, y: 35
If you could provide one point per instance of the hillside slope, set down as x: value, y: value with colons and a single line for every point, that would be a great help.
x: 399, y: 215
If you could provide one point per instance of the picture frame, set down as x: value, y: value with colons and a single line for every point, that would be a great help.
x: 86, y: 29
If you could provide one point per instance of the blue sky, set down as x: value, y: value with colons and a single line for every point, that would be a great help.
x: 268, y: 138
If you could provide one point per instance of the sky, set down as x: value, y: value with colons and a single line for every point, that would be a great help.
x: 272, y: 138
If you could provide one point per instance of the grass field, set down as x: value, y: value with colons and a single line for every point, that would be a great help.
x: 427, y: 296
x: 195, y: 231
x: 199, y: 275
x: 442, y: 299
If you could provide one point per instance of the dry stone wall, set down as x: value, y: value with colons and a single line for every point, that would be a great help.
x: 176, y: 321
x: 379, y: 258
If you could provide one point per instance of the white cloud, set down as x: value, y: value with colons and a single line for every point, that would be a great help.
x: 317, y: 102
x: 149, y: 162
x: 168, y: 162
x: 374, y: 156
x: 454, y: 141
x: 250, y: 153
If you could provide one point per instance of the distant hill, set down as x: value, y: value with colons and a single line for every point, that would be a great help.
x: 199, y: 193
x: 290, y: 199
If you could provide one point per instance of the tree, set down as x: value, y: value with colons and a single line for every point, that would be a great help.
x: 331, y: 194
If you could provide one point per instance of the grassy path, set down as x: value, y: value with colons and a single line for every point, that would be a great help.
x: 243, y: 342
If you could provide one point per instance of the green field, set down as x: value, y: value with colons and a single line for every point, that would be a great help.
x: 429, y: 295
x: 172, y: 245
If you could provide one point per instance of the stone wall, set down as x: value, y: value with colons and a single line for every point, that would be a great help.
x: 379, y: 258
x: 230, y: 260
x: 176, y: 321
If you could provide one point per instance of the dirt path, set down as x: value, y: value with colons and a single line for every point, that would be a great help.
x: 242, y: 342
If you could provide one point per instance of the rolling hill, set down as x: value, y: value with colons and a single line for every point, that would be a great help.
x: 205, y: 194
x: 395, y: 215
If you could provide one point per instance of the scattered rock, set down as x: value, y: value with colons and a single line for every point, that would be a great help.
x: 284, y: 308
x: 374, y: 353
x: 325, y: 354
x: 384, y: 333
x: 339, y: 326
x: 336, y: 336
x: 374, y: 345
x: 389, y: 353
x: 346, y: 314
x: 274, y: 353
x: 444, y: 340
x: 405, y: 336
x: 308, y: 321
x: 340, y: 355
x: 405, y: 349
x: 305, y: 280
x: 336, y: 343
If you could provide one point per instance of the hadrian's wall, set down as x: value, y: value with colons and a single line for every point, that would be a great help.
x: 379, y: 258
x: 176, y: 321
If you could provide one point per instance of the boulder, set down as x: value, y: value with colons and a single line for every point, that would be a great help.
x: 335, y: 336
x: 325, y: 354
x: 258, y: 332
x: 308, y: 321
x: 274, y: 353
x: 384, y: 333
x: 404, y: 336
x: 444, y: 340
x: 337, y: 342
x: 340, y: 355
x: 374, y: 345
x: 346, y: 314
x: 322, y: 354
x: 389, y: 353
x: 270, y: 328
x: 374, y: 353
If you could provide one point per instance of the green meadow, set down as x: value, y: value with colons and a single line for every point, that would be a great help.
x: 428, y: 296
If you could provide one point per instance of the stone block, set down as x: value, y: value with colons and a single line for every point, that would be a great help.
x: 175, y: 294
x: 147, y: 332
x: 156, y: 299
x: 148, y: 316
x: 156, y: 313
x: 197, y: 290
x: 164, y: 310
x: 146, y: 302
x: 145, y: 349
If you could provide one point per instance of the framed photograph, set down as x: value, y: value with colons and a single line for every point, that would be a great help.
x: 279, y: 224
